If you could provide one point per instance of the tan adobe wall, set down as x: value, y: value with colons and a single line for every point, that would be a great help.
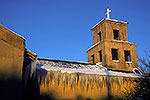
x: 107, y: 43
x: 99, y: 28
x: 107, y: 61
x: 12, y: 48
x: 113, y: 25
x: 106, y: 28
x: 121, y: 64
x: 94, y: 50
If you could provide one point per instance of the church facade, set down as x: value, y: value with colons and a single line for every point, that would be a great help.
x: 111, y: 47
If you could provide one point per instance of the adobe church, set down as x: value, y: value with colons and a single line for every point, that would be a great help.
x: 111, y: 47
x: 18, y: 66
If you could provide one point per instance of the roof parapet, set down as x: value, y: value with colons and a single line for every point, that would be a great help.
x: 13, y: 31
x: 109, y: 20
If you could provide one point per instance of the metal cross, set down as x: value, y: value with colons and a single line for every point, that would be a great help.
x: 108, y: 11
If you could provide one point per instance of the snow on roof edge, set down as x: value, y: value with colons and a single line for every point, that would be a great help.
x: 108, y: 73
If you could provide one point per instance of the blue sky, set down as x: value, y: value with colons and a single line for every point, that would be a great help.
x: 60, y: 29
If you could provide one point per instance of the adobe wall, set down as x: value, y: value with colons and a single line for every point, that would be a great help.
x: 94, y: 50
x: 99, y: 28
x: 106, y: 28
x: 108, y: 41
x: 114, y: 25
x: 12, y: 48
x: 121, y: 64
x: 17, y: 67
x: 84, y: 86
x: 107, y: 61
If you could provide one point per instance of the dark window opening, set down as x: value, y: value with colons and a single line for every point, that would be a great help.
x: 114, y: 54
x: 116, y: 34
x: 100, y: 55
x: 92, y: 59
x: 99, y: 36
x: 127, y: 55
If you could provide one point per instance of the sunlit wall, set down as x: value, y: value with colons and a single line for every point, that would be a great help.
x: 63, y: 85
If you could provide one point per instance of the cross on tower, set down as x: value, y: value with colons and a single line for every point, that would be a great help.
x: 108, y: 11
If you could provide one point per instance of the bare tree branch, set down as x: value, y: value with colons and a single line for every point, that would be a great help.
x: 144, y: 62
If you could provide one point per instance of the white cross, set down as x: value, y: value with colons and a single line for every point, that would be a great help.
x: 108, y: 11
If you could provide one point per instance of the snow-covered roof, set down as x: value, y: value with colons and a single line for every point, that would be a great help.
x: 79, y: 67
x: 110, y: 20
x: 62, y: 63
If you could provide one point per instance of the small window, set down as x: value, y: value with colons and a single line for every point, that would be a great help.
x: 127, y: 55
x: 99, y: 36
x: 116, y: 34
x: 100, y: 55
x: 114, y: 54
x: 92, y: 59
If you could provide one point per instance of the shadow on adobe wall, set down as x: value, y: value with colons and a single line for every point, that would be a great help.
x: 10, y: 89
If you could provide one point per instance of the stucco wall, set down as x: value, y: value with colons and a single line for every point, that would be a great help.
x: 99, y: 28
x: 106, y: 47
x: 94, y: 50
x: 107, y: 27
x: 121, y: 64
x: 79, y: 86
x: 113, y: 25
x: 12, y: 48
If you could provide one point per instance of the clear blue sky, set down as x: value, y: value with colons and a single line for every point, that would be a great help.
x: 60, y: 29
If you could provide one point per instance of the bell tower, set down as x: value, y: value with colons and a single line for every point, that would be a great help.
x: 111, y: 47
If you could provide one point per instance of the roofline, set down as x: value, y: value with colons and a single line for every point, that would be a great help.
x: 110, y: 20
x: 86, y: 63
x: 94, y: 45
x: 97, y: 23
x: 119, y: 41
x: 12, y: 31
